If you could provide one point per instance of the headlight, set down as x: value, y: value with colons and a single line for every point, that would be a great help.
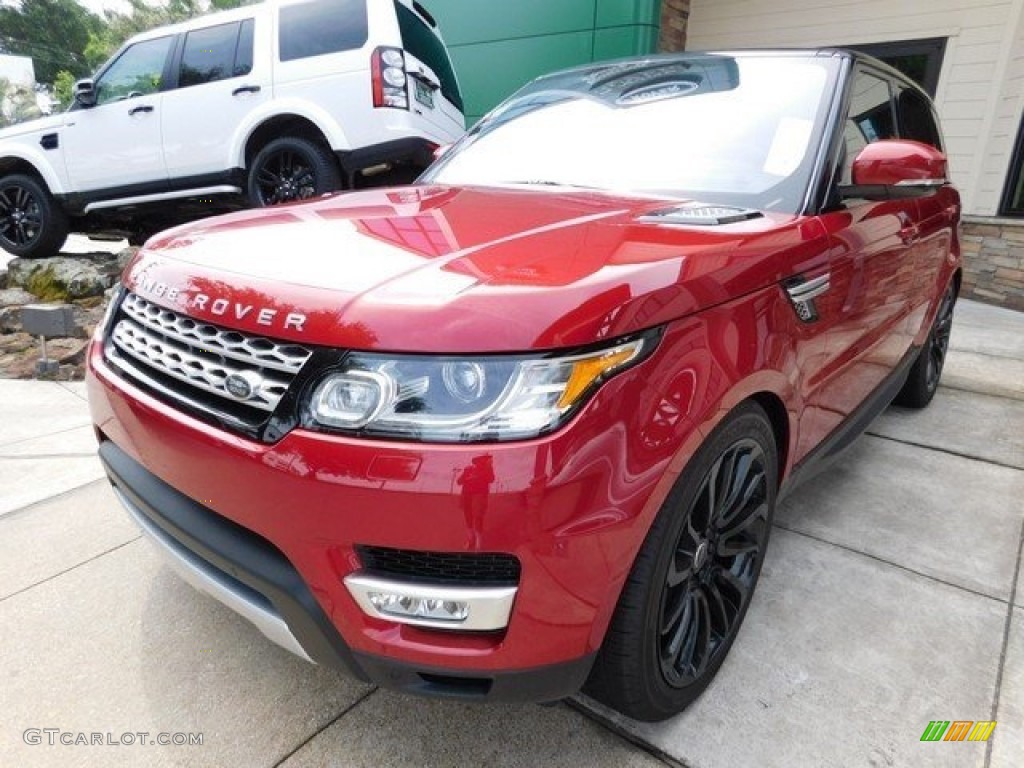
x: 464, y: 399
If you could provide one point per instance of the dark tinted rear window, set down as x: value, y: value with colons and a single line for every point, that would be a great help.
x: 322, y: 26
x: 420, y: 40
x: 216, y: 53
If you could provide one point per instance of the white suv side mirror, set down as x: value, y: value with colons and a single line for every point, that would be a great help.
x: 85, y: 92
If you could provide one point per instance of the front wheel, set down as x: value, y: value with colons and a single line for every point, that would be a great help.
x: 290, y: 169
x: 32, y: 223
x: 692, y: 582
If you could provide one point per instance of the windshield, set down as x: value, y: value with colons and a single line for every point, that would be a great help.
x: 732, y: 131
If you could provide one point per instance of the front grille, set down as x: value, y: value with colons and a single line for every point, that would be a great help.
x: 441, y: 567
x: 191, y: 361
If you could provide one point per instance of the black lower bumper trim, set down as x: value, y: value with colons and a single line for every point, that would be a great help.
x: 233, y: 550
x: 539, y: 684
x: 247, y: 558
x: 415, y: 151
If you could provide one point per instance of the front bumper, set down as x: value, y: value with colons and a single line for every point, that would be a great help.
x: 273, y: 531
x: 251, y: 577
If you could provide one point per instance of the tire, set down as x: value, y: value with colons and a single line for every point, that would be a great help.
x: 289, y: 169
x: 686, y: 596
x: 923, y: 379
x: 32, y: 224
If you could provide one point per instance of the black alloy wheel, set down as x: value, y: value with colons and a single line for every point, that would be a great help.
x: 21, y: 218
x: 692, y: 581
x: 715, y: 563
x: 938, y: 340
x: 32, y: 225
x: 923, y: 379
x: 291, y: 169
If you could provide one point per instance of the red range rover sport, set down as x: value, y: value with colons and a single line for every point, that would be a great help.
x: 520, y: 428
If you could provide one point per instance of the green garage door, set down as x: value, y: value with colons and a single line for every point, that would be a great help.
x: 498, y: 45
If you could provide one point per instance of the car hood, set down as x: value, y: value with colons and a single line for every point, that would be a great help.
x: 459, y: 269
x: 32, y: 126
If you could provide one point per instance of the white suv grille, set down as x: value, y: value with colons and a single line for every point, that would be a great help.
x: 148, y: 339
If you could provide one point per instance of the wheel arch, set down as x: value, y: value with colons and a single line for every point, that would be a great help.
x: 17, y: 162
x: 279, y: 127
x: 778, y: 416
x: 771, y: 390
x: 307, y: 120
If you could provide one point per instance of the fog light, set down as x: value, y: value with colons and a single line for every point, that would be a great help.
x: 476, y: 608
x: 395, y: 604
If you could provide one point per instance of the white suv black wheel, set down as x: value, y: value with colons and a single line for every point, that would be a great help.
x: 32, y: 225
x: 290, y: 169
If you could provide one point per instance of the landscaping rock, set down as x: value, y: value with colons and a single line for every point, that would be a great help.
x: 68, y: 277
x: 85, y: 281
x: 15, y: 297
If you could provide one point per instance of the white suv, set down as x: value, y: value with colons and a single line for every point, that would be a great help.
x: 259, y: 105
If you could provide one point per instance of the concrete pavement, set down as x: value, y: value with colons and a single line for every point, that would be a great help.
x: 892, y: 595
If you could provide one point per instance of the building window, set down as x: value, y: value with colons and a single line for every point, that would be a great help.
x: 920, y: 60
x: 1013, y: 197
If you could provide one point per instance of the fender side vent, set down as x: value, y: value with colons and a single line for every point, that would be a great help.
x: 802, y: 292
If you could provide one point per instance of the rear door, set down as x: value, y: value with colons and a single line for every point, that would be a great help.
x: 873, y: 267
x: 219, y: 82
x: 938, y: 210
x: 433, y: 88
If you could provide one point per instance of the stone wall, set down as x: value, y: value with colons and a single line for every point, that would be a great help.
x: 674, y: 16
x: 993, y: 251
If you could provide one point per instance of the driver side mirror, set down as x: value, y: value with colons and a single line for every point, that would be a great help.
x: 85, y: 92
x: 896, y: 168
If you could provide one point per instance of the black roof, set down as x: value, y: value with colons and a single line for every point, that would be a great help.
x: 615, y: 78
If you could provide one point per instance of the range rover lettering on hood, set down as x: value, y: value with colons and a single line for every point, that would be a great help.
x: 269, y: 317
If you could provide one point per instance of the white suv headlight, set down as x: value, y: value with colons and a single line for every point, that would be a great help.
x: 464, y: 399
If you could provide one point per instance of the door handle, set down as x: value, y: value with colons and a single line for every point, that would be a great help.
x: 140, y: 108
x: 245, y: 89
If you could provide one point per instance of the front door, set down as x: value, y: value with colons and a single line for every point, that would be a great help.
x: 117, y: 142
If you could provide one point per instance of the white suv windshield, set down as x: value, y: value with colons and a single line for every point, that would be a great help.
x: 736, y: 131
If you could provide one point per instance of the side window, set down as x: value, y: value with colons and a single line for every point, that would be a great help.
x: 209, y: 55
x: 321, y: 26
x: 870, y: 118
x: 138, y: 71
x: 916, y: 118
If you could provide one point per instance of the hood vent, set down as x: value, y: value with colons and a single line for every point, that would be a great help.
x: 700, y: 215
